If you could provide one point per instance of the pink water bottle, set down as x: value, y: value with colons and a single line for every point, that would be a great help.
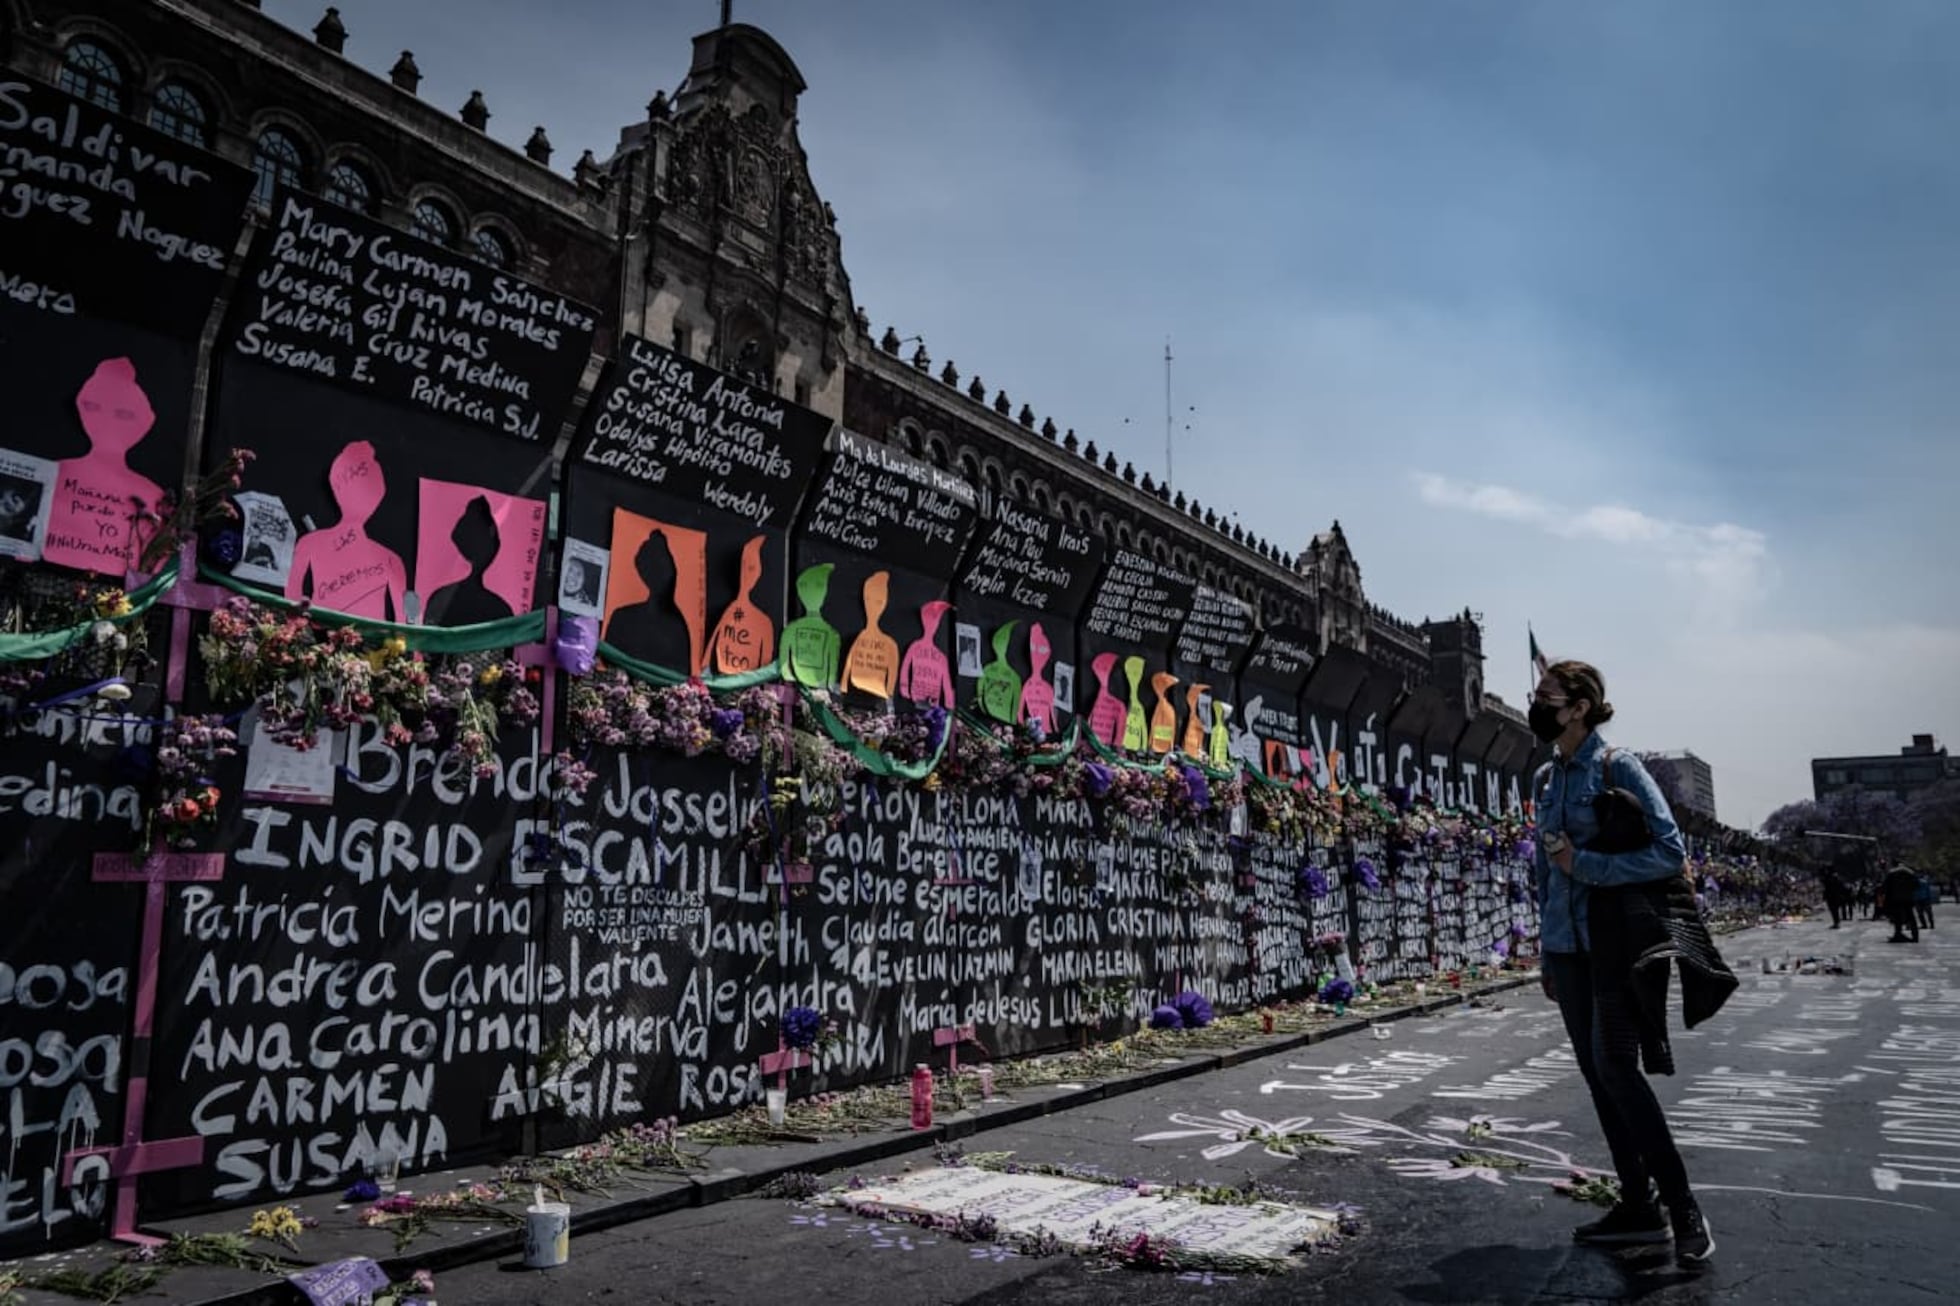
x: 922, y: 1096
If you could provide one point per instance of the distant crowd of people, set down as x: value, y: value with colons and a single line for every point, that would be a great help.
x: 1902, y: 896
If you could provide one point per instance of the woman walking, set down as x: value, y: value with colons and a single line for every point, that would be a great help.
x: 1612, y: 923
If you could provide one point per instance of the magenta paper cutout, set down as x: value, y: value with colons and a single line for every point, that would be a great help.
x: 503, y: 536
x: 924, y: 676
x: 1107, y: 717
x: 350, y: 572
x: 92, y: 520
x: 1037, y: 695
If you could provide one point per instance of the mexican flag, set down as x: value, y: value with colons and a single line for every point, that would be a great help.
x: 1539, y: 663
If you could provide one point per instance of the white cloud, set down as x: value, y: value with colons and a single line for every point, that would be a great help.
x: 1731, y: 563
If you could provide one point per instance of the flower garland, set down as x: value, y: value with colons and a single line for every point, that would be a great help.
x: 305, y: 677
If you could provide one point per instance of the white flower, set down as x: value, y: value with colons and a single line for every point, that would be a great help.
x: 1442, y: 1169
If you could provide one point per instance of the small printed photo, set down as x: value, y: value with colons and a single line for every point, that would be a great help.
x: 20, y: 506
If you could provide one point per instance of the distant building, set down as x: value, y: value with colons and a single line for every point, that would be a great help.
x: 1919, y: 765
x: 1694, y: 780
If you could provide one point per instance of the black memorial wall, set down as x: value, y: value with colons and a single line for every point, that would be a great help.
x: 113, y: 246
x: 393, y: 964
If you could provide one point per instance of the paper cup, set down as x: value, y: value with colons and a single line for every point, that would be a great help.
x: 778, y: 1100
x: 547, y: 1235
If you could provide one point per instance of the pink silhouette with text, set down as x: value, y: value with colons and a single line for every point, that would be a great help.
x: 92, y: 521
x: 1037, y: 695
x: 925, y: 676
x: 350, y: 572
x: 1108, y: 715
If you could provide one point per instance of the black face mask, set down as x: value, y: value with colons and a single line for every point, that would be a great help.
x: 1544, y: 721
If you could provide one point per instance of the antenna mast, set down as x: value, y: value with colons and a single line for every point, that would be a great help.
x: 1167, y: 410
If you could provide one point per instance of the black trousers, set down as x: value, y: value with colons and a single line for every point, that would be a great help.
x: 1606, y: 1043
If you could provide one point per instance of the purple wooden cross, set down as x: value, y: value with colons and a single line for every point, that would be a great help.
x: 133, y: 1156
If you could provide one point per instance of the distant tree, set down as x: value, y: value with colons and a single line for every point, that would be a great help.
x: 1896, y: 825
x: 1938, y: 812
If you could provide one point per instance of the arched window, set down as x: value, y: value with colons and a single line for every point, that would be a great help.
x: 1019, y: 484
x: 175, y: 110
x: 491, y: 248
x: 1041, y: 500
x: 89, y: 72
x: 432, y: 222
x: 277, y: 160
x: 348, y: 186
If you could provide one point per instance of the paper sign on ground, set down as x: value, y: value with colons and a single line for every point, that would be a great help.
x: 1080, y: 1213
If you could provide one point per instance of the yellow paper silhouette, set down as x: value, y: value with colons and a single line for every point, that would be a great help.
x: 1136, y: 730
x: 1221, y: 738
x: 1194, y: 728
x: 1163, y: 721
x: 872, y: 664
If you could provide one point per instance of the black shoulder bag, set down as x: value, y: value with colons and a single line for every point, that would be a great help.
x: 1622, y: 819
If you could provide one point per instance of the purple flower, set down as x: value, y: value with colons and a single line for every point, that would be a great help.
x: 936, y: 717
x: 802, y: 1026
x: 1194, y: 1010
x: 1364, y: 871
x: 1098, y: 778
x: 361, y: 1190
x: 1501, y: 948
x: 1166, y: 1017
x: 1336, y: 991
x: 1314, y: 881
x: 1517, y: 931
x: 223, y: 547
x: 1194, y: 787
x: 1524, y: 851
x: 725, y: 721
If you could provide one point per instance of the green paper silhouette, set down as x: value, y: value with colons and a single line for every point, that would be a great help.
x: 1136, y: 729
x: 811, y: 645
x: 1000, y: 684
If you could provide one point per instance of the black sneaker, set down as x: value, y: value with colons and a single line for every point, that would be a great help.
x: 1625, y: 1224
x: 1694, y: 1242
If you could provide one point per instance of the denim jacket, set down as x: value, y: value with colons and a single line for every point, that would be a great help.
x: 1564, y: 791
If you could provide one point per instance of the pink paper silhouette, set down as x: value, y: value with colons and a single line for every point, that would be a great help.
x: 350, y: 572
x: 1037, y: 695
x: 92, y: 520
x: 509, y: 574
x: 924, y: 676
x: 1108, y: 715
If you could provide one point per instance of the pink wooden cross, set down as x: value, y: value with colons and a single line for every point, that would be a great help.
x: 188, y: 595
x: 785, y: 1058
x: 133, y: 1156
x: 539, y: 655
x: 950, y: 1037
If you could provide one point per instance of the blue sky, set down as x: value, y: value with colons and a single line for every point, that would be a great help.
x: 1636, y: 322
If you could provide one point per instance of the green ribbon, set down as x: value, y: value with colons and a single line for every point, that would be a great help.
x: 504, y: 633
x: 34, y: 645
x: 869, y: 758
x: 666, y: 677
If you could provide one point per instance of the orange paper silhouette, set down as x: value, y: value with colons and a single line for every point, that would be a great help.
x: 348, y: 571
x: 92, y: 520
x: 872, y: 663
x: 745, y: 638
x: 1037, y: 695
x: 1107, y: 716
x: 637, y: 595
x: 1163, y: 721
x: 925, y: 676
x: 1194, y: 726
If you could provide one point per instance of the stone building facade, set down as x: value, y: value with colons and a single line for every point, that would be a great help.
x: 703, y: 232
